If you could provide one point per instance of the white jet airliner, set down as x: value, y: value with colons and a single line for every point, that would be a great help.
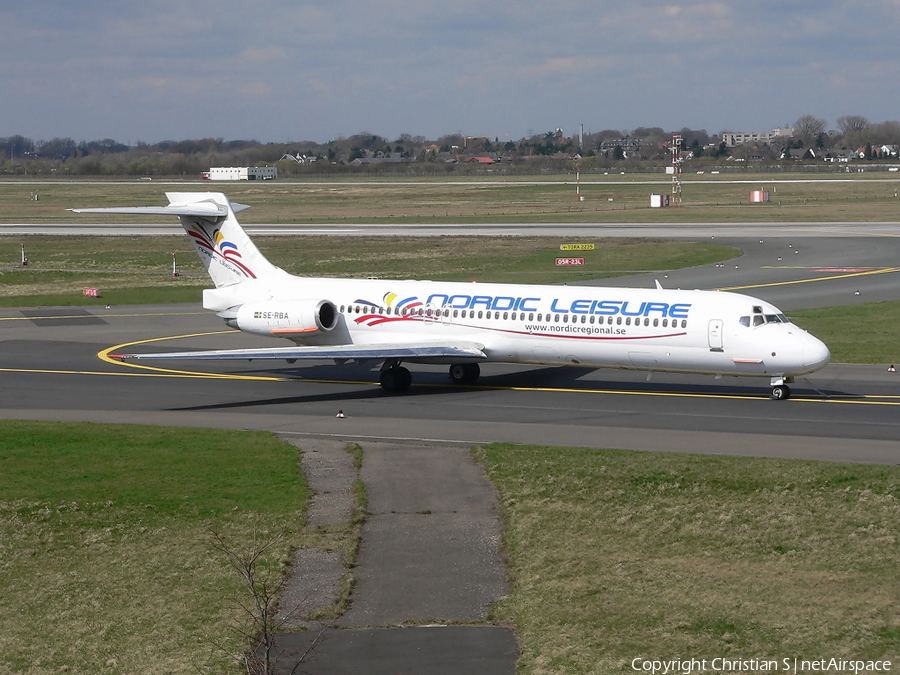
x: 464, y: 324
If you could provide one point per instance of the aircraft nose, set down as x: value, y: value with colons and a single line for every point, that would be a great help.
x: 815, y: 354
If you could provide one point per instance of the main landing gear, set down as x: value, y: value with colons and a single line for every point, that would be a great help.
x: 464, y: 373
x: 780, y: 390
x: 395, y: 378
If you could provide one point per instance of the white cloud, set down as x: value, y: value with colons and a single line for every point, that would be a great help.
x: 420, y: 66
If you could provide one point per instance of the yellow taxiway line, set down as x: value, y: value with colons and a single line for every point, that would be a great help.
x: 104, y: 355
x: 851, y: 275
x: 152, y: 371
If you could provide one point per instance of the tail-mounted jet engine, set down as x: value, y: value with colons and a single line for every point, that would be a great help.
x: 288, y: 319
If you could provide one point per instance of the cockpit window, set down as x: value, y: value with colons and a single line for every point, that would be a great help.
x: 762, y: 319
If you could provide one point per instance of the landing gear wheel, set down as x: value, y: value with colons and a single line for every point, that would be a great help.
x: 396, y: 379
x: 464, y: 373
x: 781, y: 392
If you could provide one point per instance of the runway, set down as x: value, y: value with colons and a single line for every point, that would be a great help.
x: 693, y: 231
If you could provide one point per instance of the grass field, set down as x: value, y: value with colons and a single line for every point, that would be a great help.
x: 130, y: 270
x: 863, y: 333
x: 866, y: 197
x: 617, y: 555
x: 106, y: 564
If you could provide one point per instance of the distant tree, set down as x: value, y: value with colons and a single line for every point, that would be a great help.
x: 58, y: 148
x: 17, y: 146
x: 367, y: 141
x: 646, y: 132
x: 618, y: 153
x: 696, y: 148
x: 855, y: 130
x: 691, y: 136
x: 885, y: 133
x: 849, y: 123
x: 109, y: 145
x: 807, y: 128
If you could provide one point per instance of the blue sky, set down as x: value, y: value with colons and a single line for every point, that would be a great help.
x: 283, y: 70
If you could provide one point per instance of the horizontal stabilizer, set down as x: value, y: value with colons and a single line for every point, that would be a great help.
x: 196, y: 210
x: 208, y: 220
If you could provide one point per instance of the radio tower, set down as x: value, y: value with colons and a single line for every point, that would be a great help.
x: 677, y: 160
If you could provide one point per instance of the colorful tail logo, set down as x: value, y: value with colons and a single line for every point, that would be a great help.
x: 218, y: 246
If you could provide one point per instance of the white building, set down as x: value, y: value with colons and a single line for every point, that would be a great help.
x: 734, y: 139
x: 243, y: 173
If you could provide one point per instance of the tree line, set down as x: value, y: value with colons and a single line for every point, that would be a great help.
x: 641, y: 147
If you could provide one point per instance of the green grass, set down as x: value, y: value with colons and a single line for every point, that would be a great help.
x: 864, y: 333
x: 620, y: 198
x: 132, y: 270
x: 105, y: 557
x: 616, y: 555
x: 108, y: 296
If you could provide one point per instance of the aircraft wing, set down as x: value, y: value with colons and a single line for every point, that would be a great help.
x: 406, y: 352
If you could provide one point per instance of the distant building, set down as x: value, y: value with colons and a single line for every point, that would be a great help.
x: 241, y: 173
x: 735, y: 139
x: 624, y: 143
x: 383, y: 158
x: 481, y: 159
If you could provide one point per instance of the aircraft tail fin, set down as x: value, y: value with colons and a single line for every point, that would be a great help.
x: 209, y: 220
x: 228, y: 254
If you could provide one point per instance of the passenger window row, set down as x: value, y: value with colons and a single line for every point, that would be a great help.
x: 521, y: 316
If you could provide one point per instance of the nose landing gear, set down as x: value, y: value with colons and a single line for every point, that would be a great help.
x: 780, y: 390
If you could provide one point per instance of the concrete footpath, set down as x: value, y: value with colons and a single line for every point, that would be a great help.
x: 430, y: 554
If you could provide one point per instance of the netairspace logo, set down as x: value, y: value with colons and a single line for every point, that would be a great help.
x: 785, y: 665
